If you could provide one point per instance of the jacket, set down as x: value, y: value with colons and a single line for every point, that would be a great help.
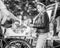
x: 43, y: 24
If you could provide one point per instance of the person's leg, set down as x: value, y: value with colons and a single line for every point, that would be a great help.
x: 41, y: 42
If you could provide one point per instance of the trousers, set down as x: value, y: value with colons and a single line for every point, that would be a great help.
x: 41, y: 42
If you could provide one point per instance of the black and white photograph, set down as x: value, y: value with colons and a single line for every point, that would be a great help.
x: 29, y: 23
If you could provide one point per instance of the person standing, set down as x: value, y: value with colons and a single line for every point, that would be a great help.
x: 5, y: 15
x: 42, y: 25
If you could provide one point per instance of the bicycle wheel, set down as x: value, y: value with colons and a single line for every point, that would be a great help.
x: 18, y: 44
